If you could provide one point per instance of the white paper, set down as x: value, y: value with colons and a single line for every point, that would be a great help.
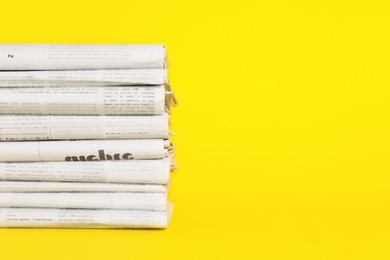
x: 126, y: 171
x: 83, y: 101
x: 39, y: 186
x: 77, y: 218
x: 83, y: 78
x: 41, y: 127
x: 83, y: 150
x: 78, y: 200
x: 81, y: 56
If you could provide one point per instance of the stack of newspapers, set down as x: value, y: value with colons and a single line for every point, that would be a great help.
x: 84, y: 138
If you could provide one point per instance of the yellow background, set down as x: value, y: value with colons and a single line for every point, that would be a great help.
x: 283, y: 126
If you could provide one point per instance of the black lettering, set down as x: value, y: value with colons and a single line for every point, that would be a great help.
x: 71, y: 158
x: 127, y: 156
x: 102, y: 156
x: 91, y: 158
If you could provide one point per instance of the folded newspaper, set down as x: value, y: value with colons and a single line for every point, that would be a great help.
x: 54, y: 127
x: 40, y: 186
x: 82, y: 56
x: 111, y: 171
x: 84, y: 200
x: 84, y: 78
x: 83, y: 218
x: 84, y: 136
x: 102, y: 100
x: 84, y: 150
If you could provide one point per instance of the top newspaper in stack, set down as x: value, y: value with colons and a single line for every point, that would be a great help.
x: 82, y: 56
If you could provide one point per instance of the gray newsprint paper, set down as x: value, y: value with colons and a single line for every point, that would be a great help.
x: 43, y: 127
x: 85, y: 200
x: 39, y: 186
x: 84, y: 150
x: 81, y: 56
x: 84, y: 218
x: 141, y: 77
x: 125, y: 171
x: 84, y: 101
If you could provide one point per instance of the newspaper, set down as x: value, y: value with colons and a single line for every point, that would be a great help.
x: 87, y: 78
x: 85, y: 150
x: 84, y: 100
x: 126, y: 171
x: 81, y: 56
x: 85, y: 200
x: 42, y: 127
x: 38, y: 186
x: 81, y: 218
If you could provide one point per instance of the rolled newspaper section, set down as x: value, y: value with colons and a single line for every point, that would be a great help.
x: 82, y: 56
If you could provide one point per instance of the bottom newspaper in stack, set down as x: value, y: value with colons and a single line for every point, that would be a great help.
x: 94, y: 190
